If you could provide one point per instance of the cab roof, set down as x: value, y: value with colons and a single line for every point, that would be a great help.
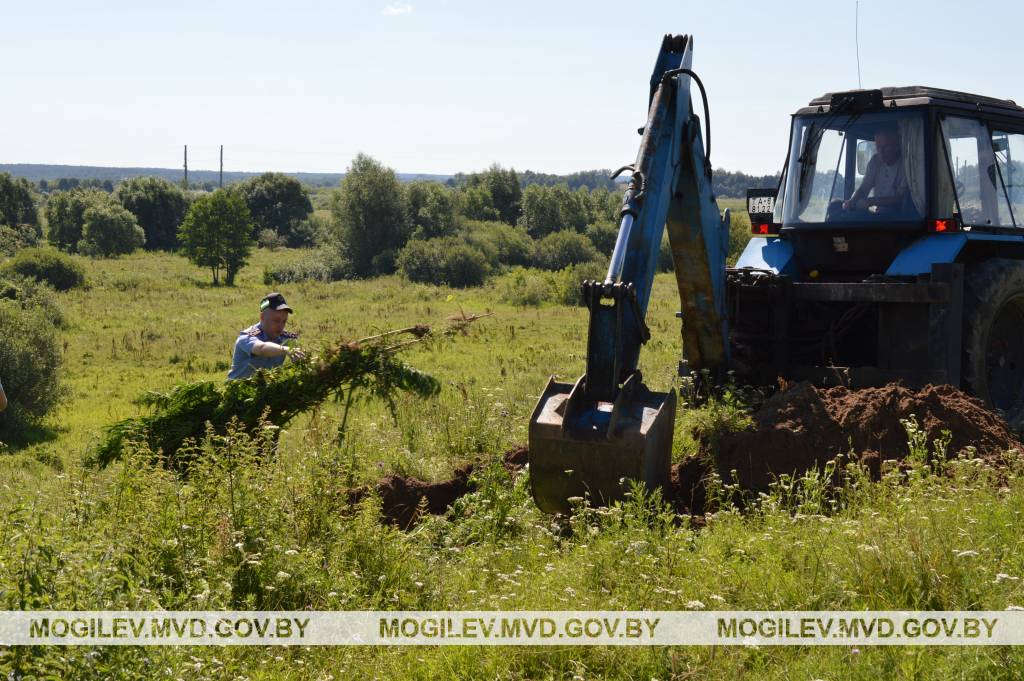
x: 912, y: 95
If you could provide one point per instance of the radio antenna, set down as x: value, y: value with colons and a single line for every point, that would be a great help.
x: 856, y: 37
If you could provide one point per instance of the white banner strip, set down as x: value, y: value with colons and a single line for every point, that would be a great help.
x: 490, y: 627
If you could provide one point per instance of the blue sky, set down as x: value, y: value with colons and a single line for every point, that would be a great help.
x: 440, y: 86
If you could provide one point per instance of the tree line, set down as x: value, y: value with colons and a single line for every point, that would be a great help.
x: 486, y: 220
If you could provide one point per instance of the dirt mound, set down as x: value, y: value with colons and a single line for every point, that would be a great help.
x: 799, y: 428
x: 803, y: 427
x: 401, y: 496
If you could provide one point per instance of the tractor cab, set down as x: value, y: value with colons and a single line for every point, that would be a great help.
x: 893, y: 248
x: 869, y: 171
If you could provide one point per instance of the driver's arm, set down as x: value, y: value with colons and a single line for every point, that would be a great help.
x: 861, y: 193
x: 883, y: 201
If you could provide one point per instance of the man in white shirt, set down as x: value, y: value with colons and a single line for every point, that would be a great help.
x: 885, y: 184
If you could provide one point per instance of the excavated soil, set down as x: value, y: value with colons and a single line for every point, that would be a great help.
x: 799, y: 428
x: 402, y: 497
x: 802, y: 427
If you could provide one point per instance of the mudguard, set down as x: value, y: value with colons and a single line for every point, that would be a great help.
x: 918, y: 257
x: 772, y: 254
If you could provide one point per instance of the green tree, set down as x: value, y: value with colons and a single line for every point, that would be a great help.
x: 475, y: 203
x: 431, y: 210
x: 603, y: 205
x: 603, y: 235
x: 541, y: 214
x: 217, y: 233
x: 158, y: 206
x: 278, y: 202
x: 552, y: 209
x: 17, y: 205
x: 506, y: 193
x: 110, y: 230
x: 65, y: 216
x: 573, y: 206
x: 370, y: 210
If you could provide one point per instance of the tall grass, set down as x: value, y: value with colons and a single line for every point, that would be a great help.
x: 280, y: 533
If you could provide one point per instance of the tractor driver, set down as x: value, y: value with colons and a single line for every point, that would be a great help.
x: 884, y: 179
x: 264, y: 344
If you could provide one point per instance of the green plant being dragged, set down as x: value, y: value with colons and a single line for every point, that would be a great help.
x: 368, y: 366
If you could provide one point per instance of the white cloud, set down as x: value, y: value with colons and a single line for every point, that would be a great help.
x: 397, y: 8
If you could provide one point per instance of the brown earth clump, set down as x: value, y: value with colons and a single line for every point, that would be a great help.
x: 804, y: 427
x: 401, y: 497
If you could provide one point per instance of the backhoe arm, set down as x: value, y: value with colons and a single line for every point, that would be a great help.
x: 671, y: 184
x: 589, y: 438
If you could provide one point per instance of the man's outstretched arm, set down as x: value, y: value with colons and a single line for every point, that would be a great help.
x: 269, y: 349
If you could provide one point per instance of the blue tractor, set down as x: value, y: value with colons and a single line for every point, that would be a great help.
x: 891, y: 251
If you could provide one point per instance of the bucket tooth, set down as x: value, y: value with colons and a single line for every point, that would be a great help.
x: 579, y: 448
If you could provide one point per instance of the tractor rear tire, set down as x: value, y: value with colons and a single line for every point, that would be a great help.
x: 993, y: 342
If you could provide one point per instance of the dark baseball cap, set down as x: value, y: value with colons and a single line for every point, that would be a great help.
x: 274, y: 301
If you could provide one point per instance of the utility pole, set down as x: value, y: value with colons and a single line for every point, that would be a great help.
x: 186, y: 167
x: 222, y: 166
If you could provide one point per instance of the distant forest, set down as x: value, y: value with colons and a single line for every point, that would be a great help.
x: 727, y: 184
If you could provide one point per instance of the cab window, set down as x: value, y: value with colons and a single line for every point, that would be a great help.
x: 980, y: 195
x: 1008, y: 148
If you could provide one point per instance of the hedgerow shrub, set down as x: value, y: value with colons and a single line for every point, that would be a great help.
x: 448, y: 261
x: 603, y: 236
x: 14, y: 238
x: 269, y: 239
x: 65, y: 215
x: 465, y: 266
x: 307, y: 233
x: 318, y: 265
x: 32, y: 294
x: 561, y: 249
x: 567, y: 289
x: 385, y: 262
x: 502, y: 244
x: 110, y: 230
x: 530, y: 287
x: 521, y: 286
x: 30, y: 359
x: 52, y: 267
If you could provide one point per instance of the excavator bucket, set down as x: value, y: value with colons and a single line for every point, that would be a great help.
x: 581, y: 449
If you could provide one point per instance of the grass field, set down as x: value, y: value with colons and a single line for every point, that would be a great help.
x: 280, y: 534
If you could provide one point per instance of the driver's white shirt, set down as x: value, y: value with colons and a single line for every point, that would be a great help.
x: 885, y: 180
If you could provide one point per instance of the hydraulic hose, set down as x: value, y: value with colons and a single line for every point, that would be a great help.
x: 672, y: 73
